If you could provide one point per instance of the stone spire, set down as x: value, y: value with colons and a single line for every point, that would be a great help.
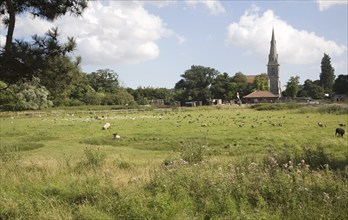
x: 273, y: 55
x: 273, y: 68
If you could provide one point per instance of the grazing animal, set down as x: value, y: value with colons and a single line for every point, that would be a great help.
x: 342, y: 125
x: 321, y: 125
x: 339, y: 132
x: 106, y: 126
x: 116, y: 136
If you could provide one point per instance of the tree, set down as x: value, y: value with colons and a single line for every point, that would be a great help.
x: 261, y: 82
x: 104, y: 80
x: 240, y: 84
x: 312, y: 89
x: 327, y: 75
x: 19, y: 59
x: 196, y: 83
x: 292, y: 86
x: 49, y: 10
x: 119, y: 97
x: 341, y: 84
x: 28, y: 95
x: 83, y: 94
x: 221, y: 88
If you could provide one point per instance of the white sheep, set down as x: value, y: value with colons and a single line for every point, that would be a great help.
x: 106, y: 126
x: 116, y: 136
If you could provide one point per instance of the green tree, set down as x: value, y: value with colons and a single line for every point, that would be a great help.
x: 292, y: 86
x: 261, y: 82
x: 327, y: 75
x: 311, y: 89
x: 82, y: 92
x: 119, y: 97
x: 30, y: 95
x: 341, y: 84
x: 222, y: 87
x: 104, y: 80
x: 240, y: 84
x: 196, y: 83
x: 59, y: 76
x: 8, y: 99
x: 11, y: 64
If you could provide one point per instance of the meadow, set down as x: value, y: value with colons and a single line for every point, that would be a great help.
x: 180, y: 163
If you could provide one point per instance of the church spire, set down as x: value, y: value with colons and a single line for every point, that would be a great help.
x: 273, y: 55
x: 273, y: 68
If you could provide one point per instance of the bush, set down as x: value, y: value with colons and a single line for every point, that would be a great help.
x: 276, y: 106
x: 94, y: 157
x: 338, y: 109
x: 313, y: 158
x: 193, y: 152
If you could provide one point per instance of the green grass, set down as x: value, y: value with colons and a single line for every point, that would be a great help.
x: 187, y: 163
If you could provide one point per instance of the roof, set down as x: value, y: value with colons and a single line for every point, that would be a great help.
x: 250, y: 79
x: 260, y: 94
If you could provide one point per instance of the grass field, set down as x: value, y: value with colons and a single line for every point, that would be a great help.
x: 175, y: 164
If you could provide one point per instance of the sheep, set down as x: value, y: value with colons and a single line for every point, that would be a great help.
x: 106, y: 126
x: 116, y: 136
x: 339, y: 132
x: 321, y: 125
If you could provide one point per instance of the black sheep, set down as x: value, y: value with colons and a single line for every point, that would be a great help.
x: 340, y: 132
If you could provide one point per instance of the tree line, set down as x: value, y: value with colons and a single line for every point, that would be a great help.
x: 325, y: 86
x: 41, y: 73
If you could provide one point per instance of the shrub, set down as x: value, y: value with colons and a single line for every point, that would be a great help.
x: 276, y: 106
x: 339, y: 109
x: 94, y: 157
x: 193, y: 152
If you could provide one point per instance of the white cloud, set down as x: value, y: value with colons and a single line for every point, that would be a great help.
x: 253, y: 33
x: 161, y: 3
x: 326, y: 4
x: 214, y: 6
x: 113, y: 33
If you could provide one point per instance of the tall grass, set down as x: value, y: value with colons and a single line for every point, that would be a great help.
x: 338, y: 109
x: 272, y: 187
x: 187, y: 164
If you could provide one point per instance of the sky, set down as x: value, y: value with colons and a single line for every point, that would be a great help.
x: 152, y: 43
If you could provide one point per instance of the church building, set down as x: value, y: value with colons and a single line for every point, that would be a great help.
x: 274, y: 80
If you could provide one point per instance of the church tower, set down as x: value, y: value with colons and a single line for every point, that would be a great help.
x: 273, y: 68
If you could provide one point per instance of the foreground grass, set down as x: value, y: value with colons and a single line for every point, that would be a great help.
x: 251, y: 188
x: 202, y: 164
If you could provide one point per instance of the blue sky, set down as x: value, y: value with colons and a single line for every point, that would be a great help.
x: 151, y: 43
